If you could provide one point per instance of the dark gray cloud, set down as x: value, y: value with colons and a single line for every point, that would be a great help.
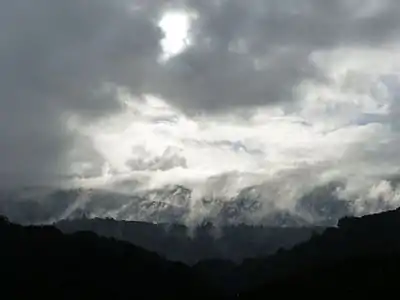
x: 255, y: 52
x: 55, y: 56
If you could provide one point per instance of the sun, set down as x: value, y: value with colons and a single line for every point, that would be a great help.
x: 176, y: 26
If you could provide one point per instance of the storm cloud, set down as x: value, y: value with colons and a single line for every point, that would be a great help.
x: 57, y: 58
x: 261, y: 88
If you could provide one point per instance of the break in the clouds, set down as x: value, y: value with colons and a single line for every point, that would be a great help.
x: 218, y: 96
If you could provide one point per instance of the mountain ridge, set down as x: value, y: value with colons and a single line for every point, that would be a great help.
x: 359, y: 255
x: 171, y: 204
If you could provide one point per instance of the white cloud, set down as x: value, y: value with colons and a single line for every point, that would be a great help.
x: 338, y: 129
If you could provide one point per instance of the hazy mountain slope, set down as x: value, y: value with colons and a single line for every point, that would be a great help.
x: 179, y: 243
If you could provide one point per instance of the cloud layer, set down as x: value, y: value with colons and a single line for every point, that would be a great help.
x: 282, y: 95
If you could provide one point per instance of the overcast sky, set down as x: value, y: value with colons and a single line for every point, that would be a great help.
x: 218, y: 95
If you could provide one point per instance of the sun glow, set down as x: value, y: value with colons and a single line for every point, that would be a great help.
x: 175, y: 26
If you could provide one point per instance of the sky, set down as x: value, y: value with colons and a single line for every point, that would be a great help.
x: 218, y: 96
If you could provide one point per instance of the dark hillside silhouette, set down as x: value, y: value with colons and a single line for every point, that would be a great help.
x: 45, y: 263
x: 360, y: 255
